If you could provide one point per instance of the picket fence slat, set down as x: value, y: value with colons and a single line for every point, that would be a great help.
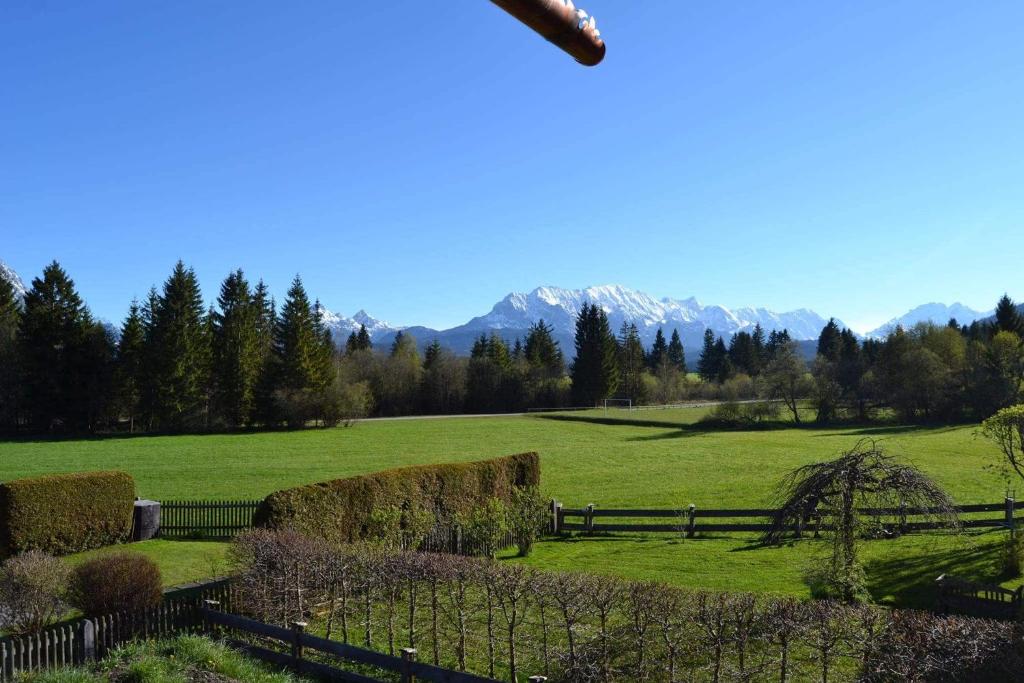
x: 206, y: 518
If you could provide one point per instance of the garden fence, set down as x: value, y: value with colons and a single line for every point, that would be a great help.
x: 76, y: 642
x: 205, y: 518
x: 690, y: 520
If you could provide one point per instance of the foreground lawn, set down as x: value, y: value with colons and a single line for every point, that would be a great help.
x: 654, y: 458
x: 179, y: 561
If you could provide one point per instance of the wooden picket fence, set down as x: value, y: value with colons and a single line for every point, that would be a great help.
x: 690, y: 520
x: 84, y: 640
x: 205, y: 518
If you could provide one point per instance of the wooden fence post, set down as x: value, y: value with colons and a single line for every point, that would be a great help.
x: 207, y: 626
x: 555, y: 507
x: 298, y: 628
x: 691, y: 520
x: 408, y: 659
x: 589, y: 518
x: 88, y: 641
x: 1010, y: 522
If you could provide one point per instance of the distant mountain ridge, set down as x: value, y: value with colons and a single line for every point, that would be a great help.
x: 512, y: 316
x: 937, y: 313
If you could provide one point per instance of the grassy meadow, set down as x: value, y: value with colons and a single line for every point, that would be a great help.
x: 655, y: 458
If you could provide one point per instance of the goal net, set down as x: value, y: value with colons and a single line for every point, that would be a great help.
x: 620, y: 403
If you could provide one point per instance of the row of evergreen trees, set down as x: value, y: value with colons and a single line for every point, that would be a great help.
x: 174, y: 366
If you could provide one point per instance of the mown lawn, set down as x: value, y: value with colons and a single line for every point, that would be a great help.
x: 636, y: 459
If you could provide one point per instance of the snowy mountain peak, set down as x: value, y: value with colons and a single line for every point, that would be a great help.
x: 937, y: 313
x: 7, y: 273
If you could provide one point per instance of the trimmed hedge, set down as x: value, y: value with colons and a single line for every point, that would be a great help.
x: 65, y: 513
x: 340, y: 509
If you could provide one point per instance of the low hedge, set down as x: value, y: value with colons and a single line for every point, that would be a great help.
x: 65, y: 513
x: 340, y: 509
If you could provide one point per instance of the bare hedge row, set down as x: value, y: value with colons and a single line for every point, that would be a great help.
x: 511, y: 621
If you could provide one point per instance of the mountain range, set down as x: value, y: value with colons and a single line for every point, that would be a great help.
x: 512, y: 316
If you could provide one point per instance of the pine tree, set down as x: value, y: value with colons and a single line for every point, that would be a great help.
x: 237, y: 357
x: 64, y: 354
x: 631, y: 363
x: 9, y: 382
x: 264, y: 408
x: 595, y: 373
x: 760, y: 353
x: 542, y: 352
x: 829, y: 343
x: 676, y: 356
x: 741, y: 354
x: 659, y: 351
x: 180, y: 353
x: 723, y: 367
x: 707, y: 366
x: 358, y: 341
x: 131, y: 363
x: 297, y: 342
x: 1008, y: 318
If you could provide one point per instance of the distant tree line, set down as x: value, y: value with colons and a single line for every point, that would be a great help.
x: 245, y: 362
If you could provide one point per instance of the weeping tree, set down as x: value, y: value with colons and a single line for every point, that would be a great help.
x: 862, y: 482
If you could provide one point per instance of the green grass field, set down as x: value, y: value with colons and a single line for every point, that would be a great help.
x: 638, y: 459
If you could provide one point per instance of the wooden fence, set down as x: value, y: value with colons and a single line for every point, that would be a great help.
x: 83, y: 640
x: 690, y: 520
x: 978, y: 599
x: 289, y: 646
x: 205, y: 518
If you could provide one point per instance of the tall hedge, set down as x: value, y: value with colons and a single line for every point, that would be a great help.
x: 65, y: 513
x: 340, y: 509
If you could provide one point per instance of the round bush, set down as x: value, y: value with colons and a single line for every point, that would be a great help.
x: 118, y: 582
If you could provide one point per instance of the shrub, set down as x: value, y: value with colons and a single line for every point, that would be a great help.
x: 117, y: 582
x: 65, y: 513
x: 528, y: 517
x: 32, y: 590
x: 485, y: 527
x: 341, y: 510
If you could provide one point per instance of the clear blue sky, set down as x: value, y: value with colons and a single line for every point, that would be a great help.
x: 422, y: 159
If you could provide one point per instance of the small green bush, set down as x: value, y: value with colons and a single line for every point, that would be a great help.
x: 528, y: 517
x: 65, y: 513
x: 342, y: 510
x: 485, y: 527
x: 117, y: 582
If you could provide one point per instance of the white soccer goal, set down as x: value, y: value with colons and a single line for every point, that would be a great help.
x: 620, y: 403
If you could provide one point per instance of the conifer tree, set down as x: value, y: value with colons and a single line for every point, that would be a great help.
x: 758, y: 339
x: 542, y: 351
x: 1008, y: 318
x: 180, y: 353
x: 631, y: 363
x: 298, y: 342
x: 237, y: 357
x: 676, y: 355
x: 741, y: 354
x: 659, y: 351
x: 63, y: 354
x: 829, y: 342
x: 358, y: 341
x: 131, y: 363
x: 9, y: 383
x: 723, y: 367
x: 264, y: 408
x: 707, y: 366
x: 595, y: 372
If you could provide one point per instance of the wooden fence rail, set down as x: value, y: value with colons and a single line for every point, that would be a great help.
x: 290, y: 644
x: 205, y: 518
x: 689, y: 520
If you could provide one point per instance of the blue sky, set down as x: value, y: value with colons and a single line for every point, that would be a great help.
x: 422, y: 159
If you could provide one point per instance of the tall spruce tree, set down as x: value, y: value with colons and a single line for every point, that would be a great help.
x: 1008, y: 318
x: 721, y: 363
x: 180, y: 353
x: 9, y: 384
x: 676, y: 355
x: 131, y: 363
x: 631, y: 363
x: 707, y: 366
x: 659, y: 351
x: 760, y: 357
x: 264, y: 407
x: 237, y: 357
x: 298, y: 342
x: 595, y: 372
x: 542, y: 351
x: 63, y: 354
x: 830, y: 342
x: 742, y: 354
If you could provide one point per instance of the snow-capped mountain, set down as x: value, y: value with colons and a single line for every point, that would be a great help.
x: 558, y: 307
x: 341, y: 327
x: 7, y: 273
x: 512, y: 316
x: 934, y: 313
